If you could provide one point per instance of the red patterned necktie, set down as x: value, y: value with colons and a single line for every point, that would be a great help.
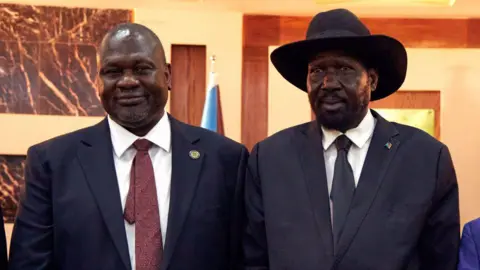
x: 141, y: 208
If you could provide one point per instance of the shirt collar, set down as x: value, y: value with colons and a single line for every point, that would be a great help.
x: 122, y: 139
x: 358, y: 135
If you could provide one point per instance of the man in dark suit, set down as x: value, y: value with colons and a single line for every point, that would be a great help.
x: 3, y: 243
x: 350, y: 190
x: 139, y: 190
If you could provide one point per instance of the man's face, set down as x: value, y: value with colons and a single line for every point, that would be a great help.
x: 135, y: 79
x: 339, y: 89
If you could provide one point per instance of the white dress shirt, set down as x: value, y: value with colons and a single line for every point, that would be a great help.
x: 360, y: 137
x: 161, y: 156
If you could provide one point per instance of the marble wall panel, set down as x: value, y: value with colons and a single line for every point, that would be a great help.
x: 22, y: 23
x: 19, y: 77
x: 68, y: 75
x: 58, y: 24
x: 11, y: 181
x: 82, y: 25
x: 48, y: 58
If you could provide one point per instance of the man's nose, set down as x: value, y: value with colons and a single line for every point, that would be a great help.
x: 128, y: 81
x: 330, y: 82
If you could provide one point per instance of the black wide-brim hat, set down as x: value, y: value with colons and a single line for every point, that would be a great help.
x: 341, y: 30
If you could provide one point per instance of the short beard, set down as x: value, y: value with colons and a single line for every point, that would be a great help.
x: 343, y: 120
x: 336, y: 121
x: 133, y: 119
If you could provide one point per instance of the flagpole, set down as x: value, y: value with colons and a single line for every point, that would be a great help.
x: 212, y: 63
x: 214, y: 84
x: 212, y: 80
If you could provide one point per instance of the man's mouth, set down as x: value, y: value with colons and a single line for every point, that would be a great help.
x: 131, y: 100
x: 331, y: 103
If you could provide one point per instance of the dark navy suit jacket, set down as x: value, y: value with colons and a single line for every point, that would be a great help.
x: 70, y: 216
x: 404, y: 214
x: 469, y: 258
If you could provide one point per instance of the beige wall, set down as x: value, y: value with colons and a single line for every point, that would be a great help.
x: 455, y: 72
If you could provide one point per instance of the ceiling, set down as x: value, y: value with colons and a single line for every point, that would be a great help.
x: 462, y: 8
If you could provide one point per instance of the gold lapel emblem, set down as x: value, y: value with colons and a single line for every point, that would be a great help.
x: 194, y: 154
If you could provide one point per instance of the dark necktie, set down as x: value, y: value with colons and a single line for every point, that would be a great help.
x: 141, y: 208
x: 343, y: 186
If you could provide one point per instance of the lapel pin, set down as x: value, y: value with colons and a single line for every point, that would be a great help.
x: 194, y: 154
x: 388, y: 145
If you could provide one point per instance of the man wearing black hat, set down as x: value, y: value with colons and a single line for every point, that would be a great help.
x: 350, y: 190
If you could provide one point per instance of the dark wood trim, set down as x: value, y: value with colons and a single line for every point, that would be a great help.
x: 187, y: 96
x: 254, y: 126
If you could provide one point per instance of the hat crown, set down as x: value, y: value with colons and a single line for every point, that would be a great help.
x: 336, y: 23
x: 341, y: 30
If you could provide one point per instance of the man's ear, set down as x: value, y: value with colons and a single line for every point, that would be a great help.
x: 372, y: 78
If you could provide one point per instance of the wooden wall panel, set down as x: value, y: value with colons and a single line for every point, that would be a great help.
x: 473, y: 36
x: 254, y: 95
x: 419, y: 33
x: 261, y: 31
x: 413, y: 100
x: 188, y: 82
x: 424, y: 33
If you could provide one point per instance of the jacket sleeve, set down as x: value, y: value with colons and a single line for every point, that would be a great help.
x: 31, y: 245
x: 238, y: 212
x: 255, y: 239
x: 440, y: 239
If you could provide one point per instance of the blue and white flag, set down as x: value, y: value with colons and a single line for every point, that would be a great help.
x: 212, y: 113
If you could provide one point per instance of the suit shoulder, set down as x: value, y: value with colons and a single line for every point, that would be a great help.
x: 213, y: 140
x: 418, y: 136
x: 283, y: 136
x: 61, y: 141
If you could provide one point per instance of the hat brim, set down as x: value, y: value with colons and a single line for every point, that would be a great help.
x: 387, y: 55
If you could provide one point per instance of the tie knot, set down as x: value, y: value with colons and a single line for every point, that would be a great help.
x: 142, y: 145
x: 343, y: 143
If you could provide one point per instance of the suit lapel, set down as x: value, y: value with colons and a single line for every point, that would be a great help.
x: 95, y: 155
x: 383, y: 147
x: 312, y: 162
x: 186, y: 168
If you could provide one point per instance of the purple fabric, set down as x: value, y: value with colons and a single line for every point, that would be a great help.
x: 142, y: 209
x: 470, y: 246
